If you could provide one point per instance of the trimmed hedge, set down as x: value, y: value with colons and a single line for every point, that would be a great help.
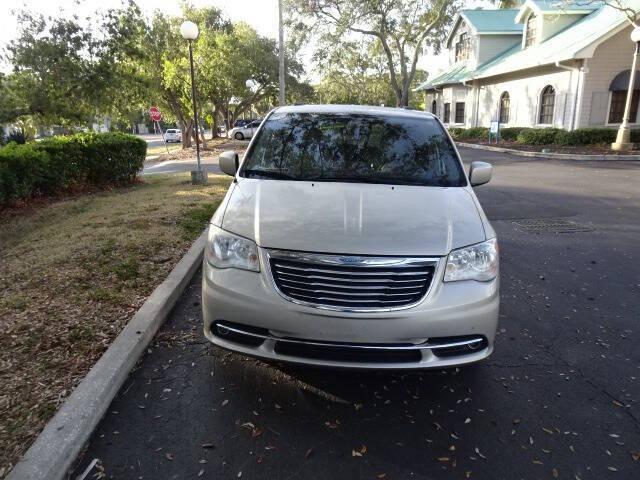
x: 510, y: 134
x: 547, y: 136
x: 469, y: 133
x: 59, y: 163
x: 587, y: 136
x: 538, y: 136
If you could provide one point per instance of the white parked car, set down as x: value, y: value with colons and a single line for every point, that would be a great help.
x: 352, y: 237
x: 173, y: 135
x: 244, y: 132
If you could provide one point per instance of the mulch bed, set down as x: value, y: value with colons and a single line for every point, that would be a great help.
x: 577, y: 149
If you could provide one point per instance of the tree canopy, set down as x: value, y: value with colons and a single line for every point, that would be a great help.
x: 68, y: 71
x: 357, y: 74
x: 402, y: 29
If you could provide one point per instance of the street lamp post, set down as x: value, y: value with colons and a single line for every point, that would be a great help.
x: 281, y: 98
x: 189, y: 32
x: 623, y: 139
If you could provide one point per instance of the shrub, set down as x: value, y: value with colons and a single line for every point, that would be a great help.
x: 455, y: 132
x: 510, y: 134
x: 538, y: 136
x: 22, y: 171
x: 469, y: 133
x: 475, y: 133
x: 587, y: 136
x: 57, y: 163
x: 546, y: 136
x: 109, y: 157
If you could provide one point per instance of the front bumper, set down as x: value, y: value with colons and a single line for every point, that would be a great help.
x: 449, y: 314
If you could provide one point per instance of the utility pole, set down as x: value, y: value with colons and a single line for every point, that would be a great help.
x: 281, y: 53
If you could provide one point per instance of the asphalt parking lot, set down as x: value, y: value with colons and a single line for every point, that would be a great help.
x: 558, y: 399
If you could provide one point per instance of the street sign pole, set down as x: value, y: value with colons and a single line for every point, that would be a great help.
x: 156, y: 116
x: 162, y: 133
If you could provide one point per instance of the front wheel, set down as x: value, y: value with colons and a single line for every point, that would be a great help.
x: 239, y: 136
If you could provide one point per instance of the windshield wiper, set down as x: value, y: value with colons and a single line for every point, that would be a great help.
x: 254, y: 172
x: 356, y: 179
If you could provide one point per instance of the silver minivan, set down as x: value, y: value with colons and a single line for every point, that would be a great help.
x: 351, y: 237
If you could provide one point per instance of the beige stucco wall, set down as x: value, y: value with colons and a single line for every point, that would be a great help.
x: 524, y: 90
x: 610, y: 58
x: 451, y: 95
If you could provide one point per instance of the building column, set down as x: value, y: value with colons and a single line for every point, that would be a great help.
x: 577, y: 114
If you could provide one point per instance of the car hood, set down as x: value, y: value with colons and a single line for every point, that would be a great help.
x: 353, y: 218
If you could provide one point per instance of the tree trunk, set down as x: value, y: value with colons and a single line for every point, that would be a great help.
x: 195, y: 131
x: 404, y: 99
x: 214, y: 123
x: 185, y: 129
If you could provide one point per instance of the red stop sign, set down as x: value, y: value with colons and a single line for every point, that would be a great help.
x: 154, y: 113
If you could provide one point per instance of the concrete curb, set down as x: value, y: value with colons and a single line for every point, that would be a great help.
x: 553, y: 156
x: 64, y: 436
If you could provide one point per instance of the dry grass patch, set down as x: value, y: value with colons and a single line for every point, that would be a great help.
x: 161, y: 149
x: 72, y: 274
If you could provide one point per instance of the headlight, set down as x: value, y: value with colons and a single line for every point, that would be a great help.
x: 477, y: 262
x: 226, y: 250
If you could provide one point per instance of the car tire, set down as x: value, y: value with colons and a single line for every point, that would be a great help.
x: 239, y: 136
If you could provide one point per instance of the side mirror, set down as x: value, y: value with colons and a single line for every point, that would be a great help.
x: 480, y: 173
x: 229, y: 162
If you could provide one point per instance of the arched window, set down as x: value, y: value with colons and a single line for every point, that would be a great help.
x: 618, y: 88
x: 531, y: 30
x: 547, y: 102
x: 505, y: 105
x: 434, y: 107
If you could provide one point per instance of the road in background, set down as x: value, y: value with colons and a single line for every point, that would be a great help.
x: 209, y: 160
x: 210, y: 164
x: 558, y: 399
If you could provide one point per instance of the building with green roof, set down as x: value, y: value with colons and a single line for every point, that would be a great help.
x: 547, y: 63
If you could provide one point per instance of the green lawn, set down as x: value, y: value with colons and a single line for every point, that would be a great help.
x: 73, y: 273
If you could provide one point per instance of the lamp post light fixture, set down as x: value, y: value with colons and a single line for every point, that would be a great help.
x: 189, y: 32
x: 623, y: 139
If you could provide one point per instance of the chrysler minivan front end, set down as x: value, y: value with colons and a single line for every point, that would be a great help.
x: 351, y: 237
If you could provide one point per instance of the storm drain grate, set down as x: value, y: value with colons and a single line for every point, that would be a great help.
x: 551, y: 225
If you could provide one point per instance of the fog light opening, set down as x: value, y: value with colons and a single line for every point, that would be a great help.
x: 243, y: 334
x: 476, y: 343
x: 222, y: 330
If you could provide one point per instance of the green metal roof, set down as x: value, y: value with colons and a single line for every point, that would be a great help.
x: 456, y: 74
x: 487, y: 21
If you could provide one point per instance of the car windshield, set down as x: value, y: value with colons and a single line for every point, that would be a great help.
x: 364, y: 148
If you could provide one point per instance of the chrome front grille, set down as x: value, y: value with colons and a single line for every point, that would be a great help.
x: 346, y: 282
